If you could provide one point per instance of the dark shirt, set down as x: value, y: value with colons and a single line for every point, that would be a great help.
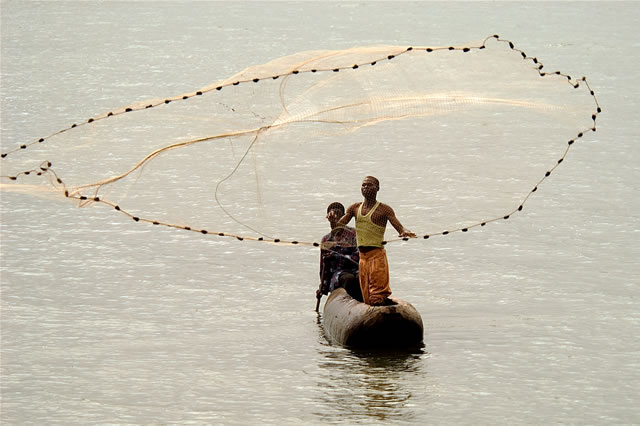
x: 341, y: 257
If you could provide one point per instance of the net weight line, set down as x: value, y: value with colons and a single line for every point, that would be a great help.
x: 86, y: 200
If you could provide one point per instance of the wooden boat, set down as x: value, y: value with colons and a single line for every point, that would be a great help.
x: 358, y: 325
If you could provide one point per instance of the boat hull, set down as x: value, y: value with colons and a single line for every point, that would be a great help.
x: 358, y: 325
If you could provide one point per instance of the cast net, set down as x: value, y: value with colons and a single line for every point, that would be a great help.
x: 458, y: 136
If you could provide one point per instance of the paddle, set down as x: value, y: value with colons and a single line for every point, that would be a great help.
x: 318, y: 297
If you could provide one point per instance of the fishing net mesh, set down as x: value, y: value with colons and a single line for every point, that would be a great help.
x: 458, y: 136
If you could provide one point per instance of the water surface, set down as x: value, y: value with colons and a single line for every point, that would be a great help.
x: 534, y: 320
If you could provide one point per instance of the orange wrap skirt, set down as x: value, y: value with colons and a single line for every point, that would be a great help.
x: 374, y: 276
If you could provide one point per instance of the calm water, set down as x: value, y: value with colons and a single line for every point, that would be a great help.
x: 532, y: 321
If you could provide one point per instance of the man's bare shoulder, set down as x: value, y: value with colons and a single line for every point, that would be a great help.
x: 385, y: 207
x: 354, y: 207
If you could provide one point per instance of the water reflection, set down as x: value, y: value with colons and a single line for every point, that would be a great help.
x: 367, y: 385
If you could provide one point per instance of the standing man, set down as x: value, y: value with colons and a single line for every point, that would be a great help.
x: 371, y: 221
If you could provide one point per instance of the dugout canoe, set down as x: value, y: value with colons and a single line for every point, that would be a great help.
x: 358, y: 325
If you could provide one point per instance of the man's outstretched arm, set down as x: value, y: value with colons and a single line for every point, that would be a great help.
x: 404, y: 232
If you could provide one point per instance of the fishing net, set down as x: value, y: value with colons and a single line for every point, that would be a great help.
x: 458, y: 136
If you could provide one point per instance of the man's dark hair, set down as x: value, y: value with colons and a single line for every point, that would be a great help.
x: 336, y: 206
x: 375, y: 180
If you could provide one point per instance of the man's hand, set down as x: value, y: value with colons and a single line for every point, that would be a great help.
x: 407, y: 234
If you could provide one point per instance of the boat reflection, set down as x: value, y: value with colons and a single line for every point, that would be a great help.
x: 365, y: 386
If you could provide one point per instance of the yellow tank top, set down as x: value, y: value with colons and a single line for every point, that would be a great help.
x: 368, y: 233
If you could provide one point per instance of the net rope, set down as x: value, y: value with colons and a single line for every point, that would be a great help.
x: 238, y: 138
